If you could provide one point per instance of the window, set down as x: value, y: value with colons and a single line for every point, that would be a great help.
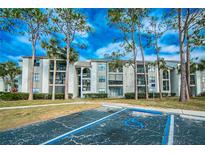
x: 101, y: 91
x: 165, y: 74
x: 152, y: 79
x: 115, y: 79
x: 101, y: 67
x: 141, y: 89
x: 114, y: 67
x: 86, y: 73
x: 37, y: 62
x: 36, y: 90
x: 58, y: 89
x: 165, y: 85
x: 61, y: 65
x: 102, y: 79
x: 36, y: 77
x: 153, y: 85
x: 152, y: 68
x: 116, y: 91
x: 86, y: 85
x: 60, y: 78
x: 192, y: 80
x: 140, y: 80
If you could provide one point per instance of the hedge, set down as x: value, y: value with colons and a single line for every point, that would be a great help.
x: 202, y: 94
x: 142, y: 95
x: 95, y: 95
x: 8, y: 96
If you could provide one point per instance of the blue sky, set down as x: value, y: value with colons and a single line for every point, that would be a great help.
x: 99, y: 42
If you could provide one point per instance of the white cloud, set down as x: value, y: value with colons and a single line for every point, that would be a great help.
x: 24, y: 39
x: 112, y: 47
x: 169, y: 48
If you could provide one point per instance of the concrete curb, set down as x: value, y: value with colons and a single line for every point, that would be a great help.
x: 165, y: 110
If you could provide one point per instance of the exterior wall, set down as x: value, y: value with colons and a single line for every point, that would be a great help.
x: 203, y: 81
x: 95, y: 85
x: 71, y: 84
x: 128, y: 79
x: 198, y: 82
x: 94, y: 77
x: 152, y: 73
x: 45, y: 76
x: 2, y: 85
x: 25, y: 75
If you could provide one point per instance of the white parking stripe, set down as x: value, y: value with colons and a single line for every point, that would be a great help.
x: 171, y: 131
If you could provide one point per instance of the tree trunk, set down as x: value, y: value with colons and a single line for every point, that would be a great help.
x: 32, y: 70
x: 143, y: 60
x: 188, y: 65
x: 183, y: 97
x: 54, y: 80
x: 67, y: 68
x: 134, y: 62
x: 159, y: 76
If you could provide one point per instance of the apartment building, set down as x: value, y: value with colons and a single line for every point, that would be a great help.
x: 97, y: 76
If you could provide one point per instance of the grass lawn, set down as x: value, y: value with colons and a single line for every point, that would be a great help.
x: 19, y: 117
x: 197, y: 103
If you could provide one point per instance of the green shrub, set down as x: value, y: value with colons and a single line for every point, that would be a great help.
x: 202, y: 94
x: 95, y: 95
x: 151, y: 95
x: 129, y: 95
x: 8, y: 96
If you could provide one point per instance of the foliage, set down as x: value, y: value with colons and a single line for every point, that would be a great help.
x: 8, y: 72
x: 151, y: 95
x: 7, y: 96
x: 95, y: 95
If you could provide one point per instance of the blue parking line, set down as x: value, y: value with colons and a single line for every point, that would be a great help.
x: 147, y: 111
x: 81, y: 128
x: 166, y: 131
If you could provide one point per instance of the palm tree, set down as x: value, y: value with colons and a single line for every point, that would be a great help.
x: 201, y: 65
x: 8, y: 72
x: 3, y: 73
x: 54, y: 52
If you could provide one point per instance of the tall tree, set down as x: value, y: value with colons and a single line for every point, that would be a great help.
x: 193, y: 35
x: 184, y: 96
x: 126, y: 21
x: 140, y: 15
x: 68, y: 22
x: 156, y: 29
x: 54, y: 51
x: 32, y: 23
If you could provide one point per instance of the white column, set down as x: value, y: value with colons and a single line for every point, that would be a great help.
x: 45, y: 76
x: 81, y: 80
x: 25, y: 74
x: 198, y: 82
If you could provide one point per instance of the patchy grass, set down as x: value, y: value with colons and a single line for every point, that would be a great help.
x: 19, y: 117
x: 34, y: 102
x: 197, y: 103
